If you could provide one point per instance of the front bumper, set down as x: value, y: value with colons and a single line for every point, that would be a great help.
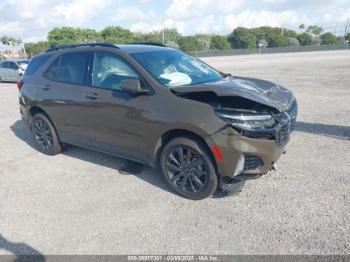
x: 254, y: 153
x: 234, y: 146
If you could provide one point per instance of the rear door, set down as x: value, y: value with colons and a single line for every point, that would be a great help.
x: 117, y: 122
x: 62, y: 90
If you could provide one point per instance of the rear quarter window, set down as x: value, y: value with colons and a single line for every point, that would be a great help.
x: 36, y: 63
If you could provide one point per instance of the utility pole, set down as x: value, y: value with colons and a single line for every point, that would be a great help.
x: 347, y: 27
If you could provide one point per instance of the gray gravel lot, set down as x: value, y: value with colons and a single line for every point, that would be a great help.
x: 82, y: 202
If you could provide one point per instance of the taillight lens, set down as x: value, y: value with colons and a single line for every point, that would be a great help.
x: 19, y: 84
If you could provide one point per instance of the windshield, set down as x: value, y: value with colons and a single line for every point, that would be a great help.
x: 173, y: 68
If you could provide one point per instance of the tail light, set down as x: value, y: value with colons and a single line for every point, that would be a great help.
x: 19, y: 84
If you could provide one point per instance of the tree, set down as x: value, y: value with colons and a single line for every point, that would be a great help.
x: 277, y: 40
x: 304, y: 39
x: 8, y: 40
x: 151, y: 37
x: 170, y: 35
x: 63, y: 36
x: 314, y: 29
x: 328, y: 39
x: 36, y: 48
x: 188, y: 43
x: 90, y: 36
x: 117, y: 35
x: 219, y: 42
x: 293, y: 42
x: 242, y: 38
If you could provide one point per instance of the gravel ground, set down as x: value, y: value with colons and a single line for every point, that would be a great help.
x: 82, y: 202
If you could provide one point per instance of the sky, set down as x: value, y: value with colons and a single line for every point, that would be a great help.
x: 32, y: 20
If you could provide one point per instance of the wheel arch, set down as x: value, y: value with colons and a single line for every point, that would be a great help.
x: 173, y: 133
x: 38, y: 110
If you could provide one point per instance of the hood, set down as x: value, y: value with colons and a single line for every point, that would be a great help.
x: 260, y: 91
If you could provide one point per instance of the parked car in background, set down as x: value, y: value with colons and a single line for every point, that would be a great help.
x: 12, y: 70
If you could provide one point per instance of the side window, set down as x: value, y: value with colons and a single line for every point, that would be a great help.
x: 69, y: 68
x: 109, y: 70
x: 35, y: 63
x: 4, y: 65
x: 13, y: 66
x: 52, y: 72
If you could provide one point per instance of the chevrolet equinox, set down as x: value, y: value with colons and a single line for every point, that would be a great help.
x: 206, y: 131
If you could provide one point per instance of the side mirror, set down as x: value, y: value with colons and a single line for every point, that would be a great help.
x: 132, y: 86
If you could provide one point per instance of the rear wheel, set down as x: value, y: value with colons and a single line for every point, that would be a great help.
x: 45, y: 135
x: 188, y: 168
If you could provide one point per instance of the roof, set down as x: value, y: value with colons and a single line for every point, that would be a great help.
x: 128, y: 48
x: 141, y: 48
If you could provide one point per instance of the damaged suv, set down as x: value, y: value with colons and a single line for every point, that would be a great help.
x: 205, y: 130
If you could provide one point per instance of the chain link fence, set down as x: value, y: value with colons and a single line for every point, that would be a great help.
x: 271, y: 50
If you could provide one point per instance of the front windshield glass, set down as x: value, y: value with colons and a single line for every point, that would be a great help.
x: 173, y: 68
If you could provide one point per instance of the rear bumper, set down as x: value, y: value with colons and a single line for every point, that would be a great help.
x: 234, y: 147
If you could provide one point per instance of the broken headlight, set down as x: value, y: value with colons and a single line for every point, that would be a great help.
x: 247, y: 120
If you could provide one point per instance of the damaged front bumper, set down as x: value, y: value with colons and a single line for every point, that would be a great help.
x: 244, y: 155
x: 243, y: 159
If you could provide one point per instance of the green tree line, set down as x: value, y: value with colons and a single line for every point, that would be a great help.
x: 240, y: 38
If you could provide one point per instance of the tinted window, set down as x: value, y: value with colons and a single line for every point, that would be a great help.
x: 109, y: 70
x: 36, y: 63
x: 52, y: 71
x: 13, y: 65
x: 69, y: 68
x: 4, y: 65
x: 73, y: 68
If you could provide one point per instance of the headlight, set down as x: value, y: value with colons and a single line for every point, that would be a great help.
x: 246, y: 120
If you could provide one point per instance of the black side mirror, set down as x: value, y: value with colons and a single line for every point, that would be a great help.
x: 132, y: 86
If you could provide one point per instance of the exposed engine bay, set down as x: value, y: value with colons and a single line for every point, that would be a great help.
x: 248, y: 117
x: 229, y: 103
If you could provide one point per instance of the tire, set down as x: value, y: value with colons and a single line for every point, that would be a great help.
x: 194, y: 177
x: 45, y: 135
x: 0, y: 79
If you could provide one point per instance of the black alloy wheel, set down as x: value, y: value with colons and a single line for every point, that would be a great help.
x: 186, y: 170
x: 188, y: 167
x: 44, y: 133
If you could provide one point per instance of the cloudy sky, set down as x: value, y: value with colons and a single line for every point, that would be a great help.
x: 31, y: 20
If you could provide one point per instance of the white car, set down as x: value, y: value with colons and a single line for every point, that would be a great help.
x: 12, y: 70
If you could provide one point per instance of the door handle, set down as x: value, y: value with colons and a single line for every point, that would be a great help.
x: 93, y: 96
x: 45, y: 87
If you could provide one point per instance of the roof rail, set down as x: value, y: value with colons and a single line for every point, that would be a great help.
x: 55, y: 48
x: 148, y: 43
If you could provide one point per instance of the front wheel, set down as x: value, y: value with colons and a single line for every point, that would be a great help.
x: 188, y: 168
x: 45, y: 135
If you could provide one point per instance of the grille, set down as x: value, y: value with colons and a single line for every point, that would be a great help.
x: 252, y: 162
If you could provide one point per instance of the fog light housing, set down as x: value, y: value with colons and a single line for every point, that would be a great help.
x: 240, y: 166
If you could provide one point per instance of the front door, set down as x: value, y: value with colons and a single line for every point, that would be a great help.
x: 117, y: 121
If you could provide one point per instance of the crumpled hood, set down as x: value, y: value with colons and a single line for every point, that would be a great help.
x: 260, y: 91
